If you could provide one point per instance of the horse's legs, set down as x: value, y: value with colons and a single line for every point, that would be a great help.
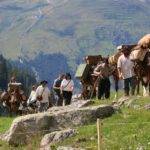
x: 138, y: 87
x: 145, y: 86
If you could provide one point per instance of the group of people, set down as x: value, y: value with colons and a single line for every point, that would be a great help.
x: 63, y: 88
x: 126, y: 73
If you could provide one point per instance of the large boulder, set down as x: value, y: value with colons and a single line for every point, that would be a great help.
x: 25, y: 127
x: 56, y: 136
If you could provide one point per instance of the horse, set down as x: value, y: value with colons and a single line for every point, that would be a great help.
x: 87, y: 79
x: 13, y: 100
x: 142, y: 71
x: 90, y: 82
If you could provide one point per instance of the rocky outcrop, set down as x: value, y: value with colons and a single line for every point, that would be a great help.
x: 125, y: 101
x: 55, y: 137
x: 25, y: 127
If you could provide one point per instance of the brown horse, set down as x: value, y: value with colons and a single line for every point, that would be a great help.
x: 141, y: 68
x: 88, y: 80
x: 13, y: 100
x: 89, y: 84
x: 142, y: 71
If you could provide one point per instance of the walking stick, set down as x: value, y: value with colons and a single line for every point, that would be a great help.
x: 94, y: 87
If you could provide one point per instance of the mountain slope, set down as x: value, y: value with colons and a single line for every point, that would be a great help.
x: 73, y: 28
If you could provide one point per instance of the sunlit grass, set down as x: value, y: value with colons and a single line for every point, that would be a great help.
x: 127, y: 130
x: 5, y: 123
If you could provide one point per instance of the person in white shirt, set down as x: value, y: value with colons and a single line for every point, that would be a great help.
x: 43, y: 96
x: 32, y: 97
x: 126, y: 71
x: 67, y: 87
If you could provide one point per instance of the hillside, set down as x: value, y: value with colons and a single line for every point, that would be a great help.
x: 37, y: 30
x: 126, y: 129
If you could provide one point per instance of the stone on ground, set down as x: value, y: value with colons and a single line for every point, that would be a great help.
x: 68, y: 148
x: 56, y: 136
x: 25, y: 127
x: 147, y: 107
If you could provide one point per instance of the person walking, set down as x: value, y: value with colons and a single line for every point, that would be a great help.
x: 102, y: 71
x: 43, y: 96
x: 57, y: 91
x: 67, y: 87
x: 126, y: 72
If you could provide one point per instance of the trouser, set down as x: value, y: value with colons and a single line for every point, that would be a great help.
x: 32, y: 104
x: 60, y: 99
x: 43, y: 107
x: 67, y: 96
x: 104, y: 88
x: 129, y: 83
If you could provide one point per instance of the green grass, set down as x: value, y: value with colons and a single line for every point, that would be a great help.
x: 34, y: 145
x: 5, y: 123
x: 126, y: 130
x: 96, y: 102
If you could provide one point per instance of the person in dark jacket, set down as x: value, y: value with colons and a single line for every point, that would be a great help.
x: 56, y: 88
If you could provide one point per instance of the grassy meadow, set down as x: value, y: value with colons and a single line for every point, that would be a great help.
x: 5, y: 123
x: 127, y: 129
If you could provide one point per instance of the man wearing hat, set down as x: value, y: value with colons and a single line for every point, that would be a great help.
x: 126, y: 71
x: 43, y: 96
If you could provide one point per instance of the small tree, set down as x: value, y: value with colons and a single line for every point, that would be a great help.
x: 3, y: 73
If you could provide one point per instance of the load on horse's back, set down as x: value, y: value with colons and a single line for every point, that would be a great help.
x: 139, y: 54
x: 145, y: 41
x: 85, y: 73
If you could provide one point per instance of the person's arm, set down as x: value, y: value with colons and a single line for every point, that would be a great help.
x: 97, y: 72
x: 72, y: 85
x: 49, y: 94
x: 37, y: 92
x: 61, y: 86
x: 54, y: 85
x: 29, y: 99
x: 120, y: 72
x: 119, y: 68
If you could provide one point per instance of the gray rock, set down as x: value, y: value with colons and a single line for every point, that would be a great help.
x: 25, y: 127
x: 147, y: 107
x: 56, y: 136
x: 81, y: 103
x: 69, y: 148
x: 74, y: 105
